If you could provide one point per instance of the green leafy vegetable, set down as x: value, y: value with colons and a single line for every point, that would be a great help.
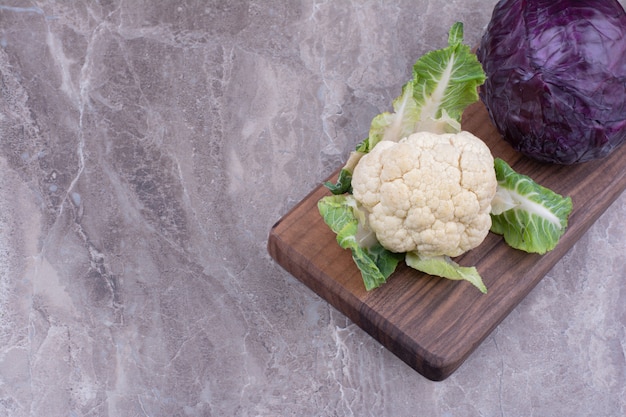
x: 342, y: 214
x: 531, y: 217
x: 344, y: 181
x: 443, y: 266
x: 444, y: 83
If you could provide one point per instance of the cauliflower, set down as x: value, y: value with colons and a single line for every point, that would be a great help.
x: 418, y: 188
x: 430, y: 193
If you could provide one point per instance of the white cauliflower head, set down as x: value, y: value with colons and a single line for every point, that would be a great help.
x: 429, y: 193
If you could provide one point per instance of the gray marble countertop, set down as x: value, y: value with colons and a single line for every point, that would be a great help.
x: 146, y: 150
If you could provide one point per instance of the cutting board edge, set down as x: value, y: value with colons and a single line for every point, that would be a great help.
x: 296, y: 263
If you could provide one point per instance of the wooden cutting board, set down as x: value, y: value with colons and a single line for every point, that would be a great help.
x: 431, y: 323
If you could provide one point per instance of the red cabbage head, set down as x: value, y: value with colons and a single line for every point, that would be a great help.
x: 556, y: 77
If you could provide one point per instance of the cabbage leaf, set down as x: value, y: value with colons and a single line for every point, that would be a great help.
x: 529, y: 216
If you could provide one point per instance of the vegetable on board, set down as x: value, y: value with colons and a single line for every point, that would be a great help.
x: 556, y: 77
x: 419, y: 188
x: 429, y: 193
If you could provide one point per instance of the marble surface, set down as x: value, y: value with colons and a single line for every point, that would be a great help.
x: 147, y: 148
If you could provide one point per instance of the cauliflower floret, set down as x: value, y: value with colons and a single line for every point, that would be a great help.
x: 429, y: 193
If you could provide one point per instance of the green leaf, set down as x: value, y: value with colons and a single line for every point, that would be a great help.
x: 444, y: 83
x: 531, y: 217
x: 344, y: 181
x: 342, y: 214
x: 443, y: 266
x: 343, y: 184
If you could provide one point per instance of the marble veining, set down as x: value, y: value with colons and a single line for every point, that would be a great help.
x: 146, y: 149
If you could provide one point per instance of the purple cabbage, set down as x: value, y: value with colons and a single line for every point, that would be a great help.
x: 556, y: 77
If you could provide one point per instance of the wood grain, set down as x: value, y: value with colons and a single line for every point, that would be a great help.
x: 431, y: 323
